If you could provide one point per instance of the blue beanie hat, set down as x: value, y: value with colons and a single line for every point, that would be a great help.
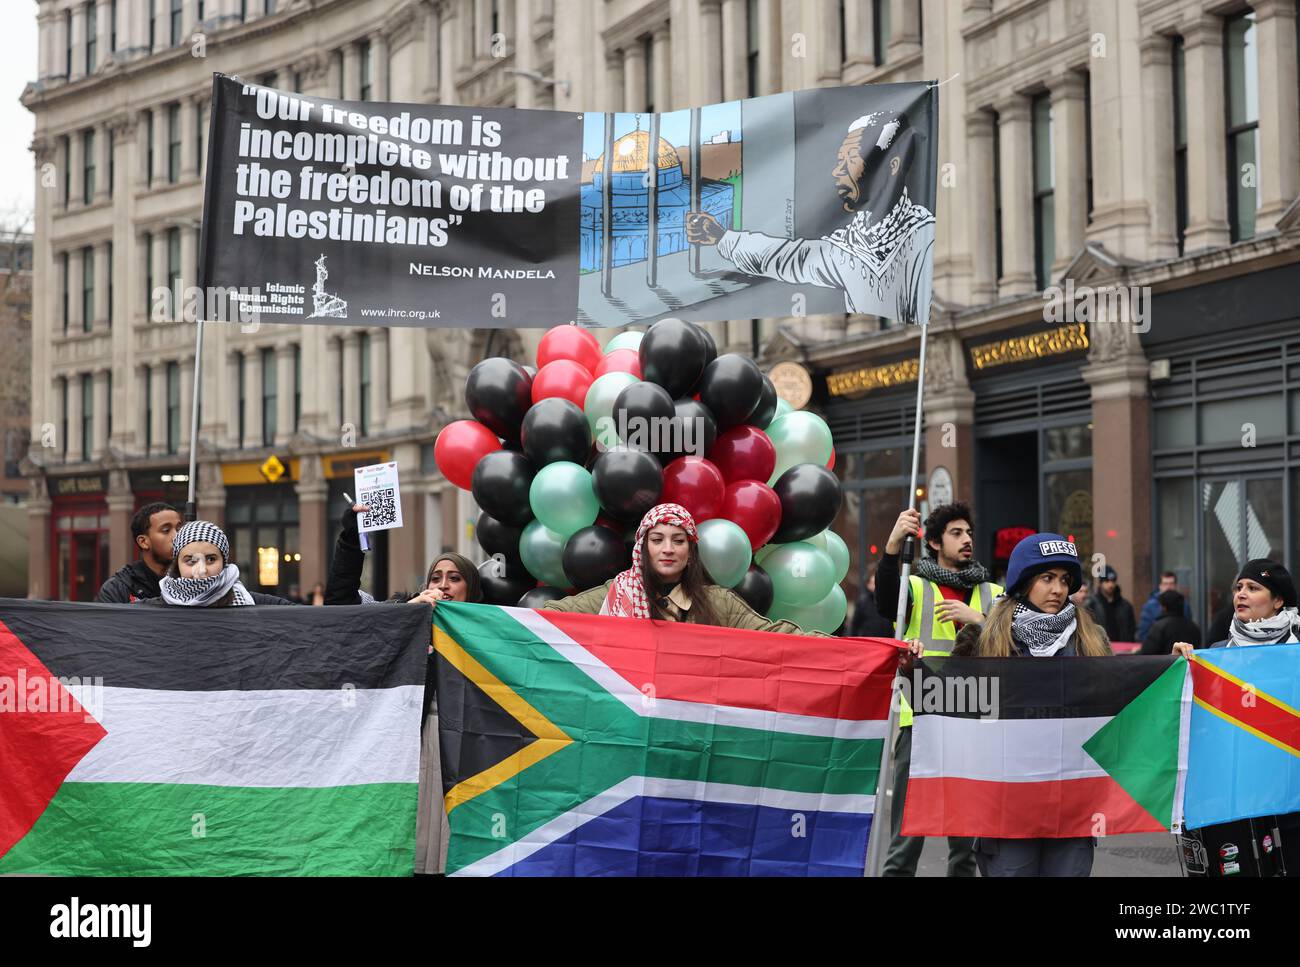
x: 1042, y: 552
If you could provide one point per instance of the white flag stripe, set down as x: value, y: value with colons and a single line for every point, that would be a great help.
x: 648, y: 706
x: 1004, y: 750
x: 273, y: 738
x: 688, y: 789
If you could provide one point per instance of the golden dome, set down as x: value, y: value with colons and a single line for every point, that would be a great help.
x: 630, y: 153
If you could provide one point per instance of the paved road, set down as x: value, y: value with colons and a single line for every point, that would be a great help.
x: 1148, y: 854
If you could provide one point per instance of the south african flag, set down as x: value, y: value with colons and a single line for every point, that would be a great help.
x: 584, y: 745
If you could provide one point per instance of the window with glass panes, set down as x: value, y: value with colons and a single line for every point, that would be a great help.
x: 174, y: 143
x: 92, y: 39
x: 173, y: 407
x: 174, y: 265
x: 153, y: 24
x: 997, y: 197
x: 67, y: 290
x: 880, y: 29
x: 108, y: 274
x: 88, y: 166
x: 112, y: 26
x: 148, y: 408
x: 1180, y: 140
x: 297, y: 387
x: 174, y: 24
x: 269, y: 388
x: 87, y: 289
x: 1087, y: 137
x: 148, y: 124
x: 108, y: 396
x: 87, y: 415
x: 270, y: 5
x: 147, y: 244
x: 648, y: 56
x: 1044, y: 191
x: 241, y: 368
x: 1241, y: 65
x: 366, y: 70
x: 67, y: 36
x: 751, y: 48
x: 65, y: 159
x: 199, y: 132
x: 64, y: 416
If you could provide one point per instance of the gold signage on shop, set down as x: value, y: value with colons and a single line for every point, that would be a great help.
x: 1017, y: 349
x: 273, y: 469
x: 872, y: 377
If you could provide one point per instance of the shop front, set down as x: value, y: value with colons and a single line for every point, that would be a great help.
x: 1225, y: 431
x: 261, y: 521
x: 79, y: 536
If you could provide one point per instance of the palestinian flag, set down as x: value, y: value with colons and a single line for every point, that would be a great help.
x: 1018, y: 748
x: 579, y: 745
x: 1245, y: 734
x: 140, y: 740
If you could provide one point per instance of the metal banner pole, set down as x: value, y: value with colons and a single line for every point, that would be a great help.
x: 191, y: 509
x: 881, y: 819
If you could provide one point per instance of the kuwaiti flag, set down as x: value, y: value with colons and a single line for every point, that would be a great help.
x: 586, y: 745
x: 141, y: 740
x: 1047, y: 747
x: 1245, y: 734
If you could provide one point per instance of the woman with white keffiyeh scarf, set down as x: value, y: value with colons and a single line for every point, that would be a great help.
x: 202, y: 575
x: 1263, y: 609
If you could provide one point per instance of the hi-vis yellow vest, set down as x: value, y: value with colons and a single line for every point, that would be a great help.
x: 936, y: 635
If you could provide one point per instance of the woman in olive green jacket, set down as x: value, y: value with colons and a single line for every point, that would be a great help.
x: 667, y: 582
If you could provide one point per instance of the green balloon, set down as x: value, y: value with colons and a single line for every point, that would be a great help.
x: 542, y: 552
x: 801, y: 574
x: 724, y: 551
x: 839, y: 552
x: 624, y: 340
x: 799, y: 437
x: 563, y: 499
x: 826, y: 615
x: 599, y: 405
x: 761, y: 554
x: 782, y: 408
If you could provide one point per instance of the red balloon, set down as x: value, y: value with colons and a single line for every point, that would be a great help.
x: 744, y: 453
x: 572, y: 343
x: 830, y: 464
x: 459, y: 447
x: 755, y: 507
x: 697, y: 485
x: 563, y: 378
x: 620, y: 361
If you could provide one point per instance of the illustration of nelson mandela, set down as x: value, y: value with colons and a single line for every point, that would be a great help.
x: 881, y: 258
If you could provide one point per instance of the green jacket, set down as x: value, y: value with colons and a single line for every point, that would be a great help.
x: 730, y: 607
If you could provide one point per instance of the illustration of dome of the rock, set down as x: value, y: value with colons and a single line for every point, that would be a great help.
x: 630, y: 195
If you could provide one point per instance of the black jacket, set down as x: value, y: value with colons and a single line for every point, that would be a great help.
x: 135, y: 582
x: 1116, y: 616
x: 1168, y: 629
x: 343, y: 585
x: 867, y: 621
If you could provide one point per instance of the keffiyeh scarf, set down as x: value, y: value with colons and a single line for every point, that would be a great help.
x: 970, y: 576
x: 201, y: 592
x: 1282, y: 628
x: 1042, y: 633
x: 626, y: 597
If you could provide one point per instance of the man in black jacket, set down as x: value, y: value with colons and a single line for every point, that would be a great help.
x: 1171, y: 626
x: 152, y: 528
x: 1111, y: 610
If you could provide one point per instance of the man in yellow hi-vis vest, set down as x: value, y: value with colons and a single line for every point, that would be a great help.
x: 947, y: 589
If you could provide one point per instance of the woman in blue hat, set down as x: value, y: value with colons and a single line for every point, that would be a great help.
x: 1035, y: 618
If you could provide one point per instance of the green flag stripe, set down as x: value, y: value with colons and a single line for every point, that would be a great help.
x: 1139, y: 746
x: 149, y: 829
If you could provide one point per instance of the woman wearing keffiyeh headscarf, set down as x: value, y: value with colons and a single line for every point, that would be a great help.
x: 201, y: 574
x: 668, y: 582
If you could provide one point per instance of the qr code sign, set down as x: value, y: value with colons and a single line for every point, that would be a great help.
x: 383, y: 510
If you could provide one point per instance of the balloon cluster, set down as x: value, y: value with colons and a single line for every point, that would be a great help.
x: 565, y: 460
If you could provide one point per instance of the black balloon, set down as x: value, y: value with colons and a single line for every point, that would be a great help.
x: 593, y: 555
x: 673, y: 355
x: 710, y: 347
x: 627, y: 483
x: 539, y: 596
x: 498, y: 538
x: 731, y: 387
x: 502, y: 588
x: 500, y: 486
x: 766, y: 408
x: 645, y: 410
x: 555, y: 429
x: 756, y: 588
x: 499, y: 392
x: 810, y: 498
x: 694, y: 431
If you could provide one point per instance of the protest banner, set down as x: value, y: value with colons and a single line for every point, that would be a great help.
x: 371, y: 213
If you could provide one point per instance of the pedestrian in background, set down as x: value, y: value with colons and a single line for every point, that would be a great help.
x: 1110, y: 610
x: 152, y: 529
x: 867, y: 621
x: 1171, y: 626
x: 1151, y: 607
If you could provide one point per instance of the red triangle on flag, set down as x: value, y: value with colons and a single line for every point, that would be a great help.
x: 44, y: 733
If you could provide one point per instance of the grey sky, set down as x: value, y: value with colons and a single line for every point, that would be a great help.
x: 17, y: 67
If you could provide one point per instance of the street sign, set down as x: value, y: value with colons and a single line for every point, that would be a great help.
x: 272, y: 469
